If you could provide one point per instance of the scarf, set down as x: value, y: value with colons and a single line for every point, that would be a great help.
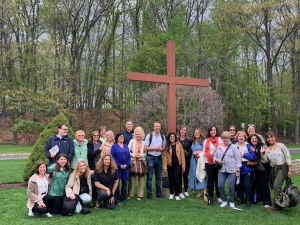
x: 207, y: 147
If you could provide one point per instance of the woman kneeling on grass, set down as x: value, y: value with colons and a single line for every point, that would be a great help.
x: 231, y: 165
x: 60, y: 172
x: 174, y: 160
x: 106, y: 179
x: 38, y: 187
x: 80, y: 184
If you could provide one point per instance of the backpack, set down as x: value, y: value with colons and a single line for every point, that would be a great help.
x: 162, y: 139
x: 293, y: 193
x: 69, y: 206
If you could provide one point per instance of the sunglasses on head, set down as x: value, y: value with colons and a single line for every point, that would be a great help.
x: 250, y: 125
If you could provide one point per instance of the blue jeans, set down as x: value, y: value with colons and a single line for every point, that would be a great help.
x: 122, y: 196
x: 231, y: 183
x: 154, y: 162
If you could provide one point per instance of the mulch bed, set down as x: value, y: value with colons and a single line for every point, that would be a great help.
x: 13, y: 185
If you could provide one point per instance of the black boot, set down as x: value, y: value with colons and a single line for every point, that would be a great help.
x: 240, y: 201
x: 211, y: 200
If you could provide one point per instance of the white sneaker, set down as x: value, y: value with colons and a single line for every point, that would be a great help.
x: 232, y: 205
x: 177, y: 198
x: 48, y: 215
x: 223, y: 204
x: 219, y: 200
x: 30, y: 213
x: 181, y: 195
x: 267, y: 206
x: 186, y: 194
x: 171, y: 197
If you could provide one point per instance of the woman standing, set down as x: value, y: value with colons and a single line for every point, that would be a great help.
x: 231, y: 164
x: 136, y: 148
x: 210, y: 148
x: 280, y: 161
x: 247, y: 154
x: 174, y: 164
x: 103, y: 131
x: 232, y: 130
x: 106, y: 145
x: 262, y: 173
x: 252, y: 130
x: 60, y: 172
x: 106, y: 180
x: 38, y: 187
x: 186, y: 143
x: 80, y: 184
x: 81, y: 149
x: 197, y: 146
x: 94, y: 149
x: 121, y: 155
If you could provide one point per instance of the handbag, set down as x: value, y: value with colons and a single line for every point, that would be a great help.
x: 69, y: 206
x: 252, y: 163
x: 138, y: 167
x: 218, y: 166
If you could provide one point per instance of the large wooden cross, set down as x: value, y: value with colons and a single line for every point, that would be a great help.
x: 171, y: 80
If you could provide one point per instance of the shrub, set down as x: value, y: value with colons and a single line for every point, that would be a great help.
x: 38, y: 153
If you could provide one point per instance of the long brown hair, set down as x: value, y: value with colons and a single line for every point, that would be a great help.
x: 271, y: 134
x: 100, y: 164
x: 38, y: 166
x: 202, y: 137
x: 76, y: 171
x: 95, y: 131
x: 67, y: 166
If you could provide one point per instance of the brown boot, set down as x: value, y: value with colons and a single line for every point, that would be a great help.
x: 275, y: 207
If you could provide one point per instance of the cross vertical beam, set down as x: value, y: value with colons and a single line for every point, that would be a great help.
x: 171, y: 87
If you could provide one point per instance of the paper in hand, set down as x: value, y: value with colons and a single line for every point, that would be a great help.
x: 54, y: 150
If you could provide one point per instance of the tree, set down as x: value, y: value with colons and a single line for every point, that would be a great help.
x: 28, y: 127
x: 38, y: 152
x: 196, y: 107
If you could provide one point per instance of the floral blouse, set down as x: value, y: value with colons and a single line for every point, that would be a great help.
x: 278, y: 156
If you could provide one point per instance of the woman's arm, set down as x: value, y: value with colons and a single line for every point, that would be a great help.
x: 30, y: 192
x: 113, y: 153
x: 182, y: 157
x: 50, y: 169
x: 69, y: 187
x: 91, y: 153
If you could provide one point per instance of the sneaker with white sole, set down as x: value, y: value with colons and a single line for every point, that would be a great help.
x: 171, y: 197
x: 231, y: 204
x: 186, y: 194
x: 223, y: 204
x: 181, y: 195
x: 30, y: 213
x: 219, y: 200
x: 48, y: 215
x: 177, y: 198
x: 267, y: 206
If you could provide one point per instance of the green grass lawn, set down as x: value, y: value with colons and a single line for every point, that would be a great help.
x: 6, y: 148
x: 13, y: 168
x: 159, y: 211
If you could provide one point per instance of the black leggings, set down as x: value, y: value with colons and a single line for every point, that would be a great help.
x: 175, y: 178
x: 48, y: 199
x: 212, y: 180
x: 57, y: 204
x: 186, y: 173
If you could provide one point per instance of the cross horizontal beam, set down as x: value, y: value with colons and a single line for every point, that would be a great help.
x: 167, y: 79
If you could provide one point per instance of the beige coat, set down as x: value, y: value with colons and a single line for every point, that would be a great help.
x: 33, y: 190
x: 106, y: 148
x: 73, y: 185
x: 179, y: 154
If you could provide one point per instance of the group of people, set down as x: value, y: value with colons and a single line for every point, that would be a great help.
x: 98, y: 169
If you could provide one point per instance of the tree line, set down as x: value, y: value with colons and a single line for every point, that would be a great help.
x: 63, y: 55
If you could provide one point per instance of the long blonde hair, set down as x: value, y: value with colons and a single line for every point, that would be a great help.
x: 100, y: 164
x: 137, y: 129
x: 76, y: 171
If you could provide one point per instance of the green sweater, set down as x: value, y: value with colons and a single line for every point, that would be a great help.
x: 59, y: 181
x: 80, y: 152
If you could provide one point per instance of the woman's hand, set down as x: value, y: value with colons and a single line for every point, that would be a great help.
x: 289, y: 174
x: 108, y: 192
x: 263, y: 149
x: 219, y: 161
x: 41, y: 205
x: 165, y: 171
x: 237, y: 173
x: 253, y: 149
x: 112, y: 199
x: 101, y: 148
x: 242, y: 154
x: 183, y: 170
x: 138, y: 156
x: 198, y: 155
x: 72, y: 196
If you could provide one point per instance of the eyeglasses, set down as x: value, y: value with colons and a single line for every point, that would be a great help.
x: 64, y: 129
x: 80, y: 135
x: 96, y: 135
x: 231, y: 129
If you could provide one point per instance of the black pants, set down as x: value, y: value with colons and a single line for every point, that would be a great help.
x: 57, y: 204
x: 186, y: 173
x: 103, y: 199
x: 212, y: 180
x: 175, y: 178
x: 48, y: 199
x: 262, y: 186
